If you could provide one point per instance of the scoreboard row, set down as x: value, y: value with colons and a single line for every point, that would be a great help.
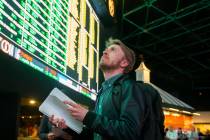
x: 57, y: 37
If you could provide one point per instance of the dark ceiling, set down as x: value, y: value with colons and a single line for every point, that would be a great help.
x: 174, y: 38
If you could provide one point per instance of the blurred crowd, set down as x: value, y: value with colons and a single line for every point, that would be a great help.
x: 180, y: 134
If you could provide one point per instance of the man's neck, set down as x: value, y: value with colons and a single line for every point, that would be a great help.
x: 109, y: 74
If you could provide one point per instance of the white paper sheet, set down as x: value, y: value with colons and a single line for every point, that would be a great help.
x: 53, y: 105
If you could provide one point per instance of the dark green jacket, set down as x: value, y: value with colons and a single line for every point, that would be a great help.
x: 123, y: 112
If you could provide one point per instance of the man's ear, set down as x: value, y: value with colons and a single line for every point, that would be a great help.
x: 124, y: 63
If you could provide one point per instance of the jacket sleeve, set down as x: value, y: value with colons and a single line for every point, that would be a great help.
x: 129, y: 124
x: 86, y: 134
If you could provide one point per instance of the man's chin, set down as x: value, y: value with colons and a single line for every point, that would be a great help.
x: 103, y: 67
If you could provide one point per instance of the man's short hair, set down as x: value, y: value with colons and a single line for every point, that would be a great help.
x: 129, y: 54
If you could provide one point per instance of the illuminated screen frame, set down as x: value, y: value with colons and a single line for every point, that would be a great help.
x: 57, y: 38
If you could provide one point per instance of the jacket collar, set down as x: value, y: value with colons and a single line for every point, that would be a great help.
x: 121, y: 78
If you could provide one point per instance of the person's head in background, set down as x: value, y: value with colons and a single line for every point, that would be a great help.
x: 170, y: 128
x: 117, y: 58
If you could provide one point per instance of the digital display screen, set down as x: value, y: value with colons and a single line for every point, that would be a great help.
x: 57, y: 37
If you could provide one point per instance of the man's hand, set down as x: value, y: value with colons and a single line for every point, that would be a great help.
x: 76, y: 110
x: 58, y: 122
x: 50, y: 136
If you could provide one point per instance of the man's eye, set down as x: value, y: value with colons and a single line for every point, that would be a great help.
x: 113, y: 49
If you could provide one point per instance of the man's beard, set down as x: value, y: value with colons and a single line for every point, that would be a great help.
x: 108, y: 67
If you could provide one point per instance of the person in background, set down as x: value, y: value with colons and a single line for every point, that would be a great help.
x: 165, y: 132
x: 200, y: 134
x: 207, y: 135
x: 49, y: 132
x: 179, y: 134
x: 193, y: 134
x: 171, y: 134
x: 35, y: 130
x: 119, y: 112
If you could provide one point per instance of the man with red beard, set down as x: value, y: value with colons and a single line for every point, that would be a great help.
x: 120, y: 106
